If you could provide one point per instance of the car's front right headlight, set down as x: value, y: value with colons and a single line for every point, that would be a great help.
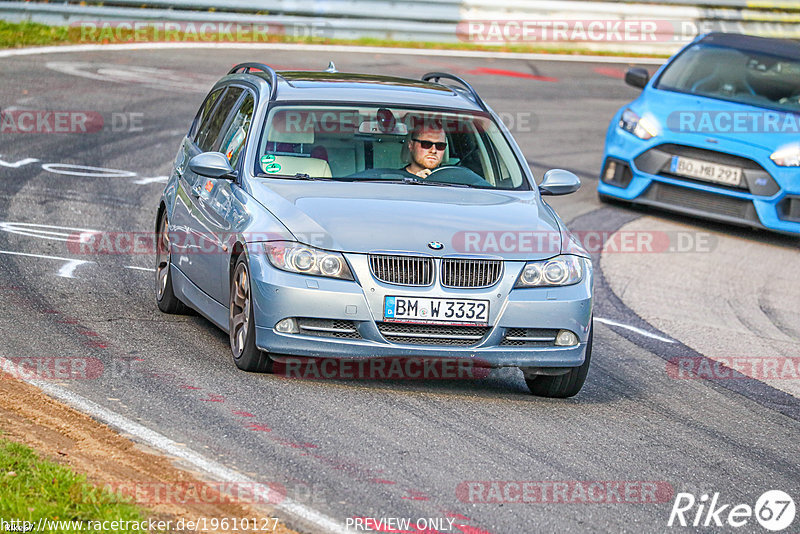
x: 562, y: 270
x: 787, y: 156
x: 298, y: 258
x: 641, y: 127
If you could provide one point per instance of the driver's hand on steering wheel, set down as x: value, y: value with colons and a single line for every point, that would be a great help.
x: 423, y: 173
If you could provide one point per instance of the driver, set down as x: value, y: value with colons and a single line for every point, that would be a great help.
x: 426, y: 146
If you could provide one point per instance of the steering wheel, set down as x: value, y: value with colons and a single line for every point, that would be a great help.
x: 443, y: 168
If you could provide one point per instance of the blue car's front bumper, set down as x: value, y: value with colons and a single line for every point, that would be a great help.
x: 756, y: 206
x: 278, y: 295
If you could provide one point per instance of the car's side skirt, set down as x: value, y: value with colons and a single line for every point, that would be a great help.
x: 197, y: 299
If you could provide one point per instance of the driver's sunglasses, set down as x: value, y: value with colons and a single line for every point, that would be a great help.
x: 428, y: 144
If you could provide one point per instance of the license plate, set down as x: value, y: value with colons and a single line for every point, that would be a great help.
x: 704, y: 170
x: 435, y: 310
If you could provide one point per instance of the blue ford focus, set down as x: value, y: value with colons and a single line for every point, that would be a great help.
x: 714, y: 134
x: 353, y: 217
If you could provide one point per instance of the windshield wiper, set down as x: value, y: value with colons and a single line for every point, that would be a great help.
x: 407, y: 180
x: 298, y: 176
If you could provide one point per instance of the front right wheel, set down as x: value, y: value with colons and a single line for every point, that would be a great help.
x: 241, y: 326
x: 566, y: 385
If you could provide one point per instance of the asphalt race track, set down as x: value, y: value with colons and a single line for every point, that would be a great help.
x: 401, y: 449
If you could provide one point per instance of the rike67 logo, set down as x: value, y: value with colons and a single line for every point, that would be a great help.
x: 774, y: 510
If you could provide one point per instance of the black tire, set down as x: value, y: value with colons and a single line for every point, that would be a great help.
x: 165, y: 297
x: 241, y: 325
x: 566, y: 385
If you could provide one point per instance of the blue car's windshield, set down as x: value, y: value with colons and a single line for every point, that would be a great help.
x: 360, y: 143
x: 735, y: 75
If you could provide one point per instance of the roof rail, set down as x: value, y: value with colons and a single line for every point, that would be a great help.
x: 245, y: 67
x: 436, y: 76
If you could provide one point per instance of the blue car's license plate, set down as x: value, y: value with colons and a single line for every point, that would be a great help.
x: 435, y: 310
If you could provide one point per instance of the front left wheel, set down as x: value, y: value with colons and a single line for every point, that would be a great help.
x: 241, y: 326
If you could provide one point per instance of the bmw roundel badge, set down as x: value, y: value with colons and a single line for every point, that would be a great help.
x: 435, y: 245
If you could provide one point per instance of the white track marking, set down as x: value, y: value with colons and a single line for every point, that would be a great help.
x: 333, y: 48
x: 69, y: 268
x: 18, y: 164
x: 634, y: 329
x: 166, y: 445
x: 152, y: 179
x: 148, y: 269
x: 77, y: 235
x: 66, y: 271
x: 86, y: 171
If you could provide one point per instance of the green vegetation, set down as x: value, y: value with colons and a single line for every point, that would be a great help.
x: 32, y: 489
x: 19, y: 34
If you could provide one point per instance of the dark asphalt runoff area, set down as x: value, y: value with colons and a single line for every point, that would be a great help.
x: 350, y: 448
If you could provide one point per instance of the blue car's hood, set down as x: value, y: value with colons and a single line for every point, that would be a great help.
x: 366, y: 217
x: 697, y: 118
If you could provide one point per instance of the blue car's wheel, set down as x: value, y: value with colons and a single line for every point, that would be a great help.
x: 566, y: 385
x: 165, y: 297
x: 241, y: 326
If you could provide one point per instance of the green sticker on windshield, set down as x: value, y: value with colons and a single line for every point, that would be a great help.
x: 267, y: 158
x: 272, y: 168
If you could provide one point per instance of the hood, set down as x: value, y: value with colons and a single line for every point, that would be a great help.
x: 700, y: 118
x: 370, y: 217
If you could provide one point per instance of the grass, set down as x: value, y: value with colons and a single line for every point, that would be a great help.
x: 32, y: 488
x: 19, y: 34
x: 23, y: 34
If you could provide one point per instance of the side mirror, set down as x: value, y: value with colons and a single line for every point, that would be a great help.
x: 637, y: 77
x: 559, y: 182
x: 211, y: 165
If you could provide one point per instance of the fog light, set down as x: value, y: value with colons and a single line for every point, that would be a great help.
x: 565, y: 338
x: 611, y: 169
x: 287, y: 326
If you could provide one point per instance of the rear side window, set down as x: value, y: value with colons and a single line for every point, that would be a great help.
x: 210, y: 129
x: 236, y: 134
x: 204, y: 112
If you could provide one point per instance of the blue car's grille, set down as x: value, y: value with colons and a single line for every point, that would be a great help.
x: 402, y: 270
x: 470, y: 273
x: 755, y: 179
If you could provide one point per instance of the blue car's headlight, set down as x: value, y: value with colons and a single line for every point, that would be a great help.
x: 562, y: 270
x: 787, y: 156
x: 641, y: 127
x: 303, y: 259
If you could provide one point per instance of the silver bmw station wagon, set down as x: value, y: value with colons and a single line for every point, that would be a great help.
x: 356, y: 217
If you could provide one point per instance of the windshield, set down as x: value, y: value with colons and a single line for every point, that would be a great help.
x: 736, y: 75
x: 392, y: 144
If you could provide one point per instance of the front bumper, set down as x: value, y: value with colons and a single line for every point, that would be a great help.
x: 278, y: 295
x: 769, y: 208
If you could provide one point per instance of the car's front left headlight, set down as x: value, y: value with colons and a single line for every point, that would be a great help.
x: 562, y: 270
x: 787, y: 156
x: 641, y: 127
x: 302, y: 259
